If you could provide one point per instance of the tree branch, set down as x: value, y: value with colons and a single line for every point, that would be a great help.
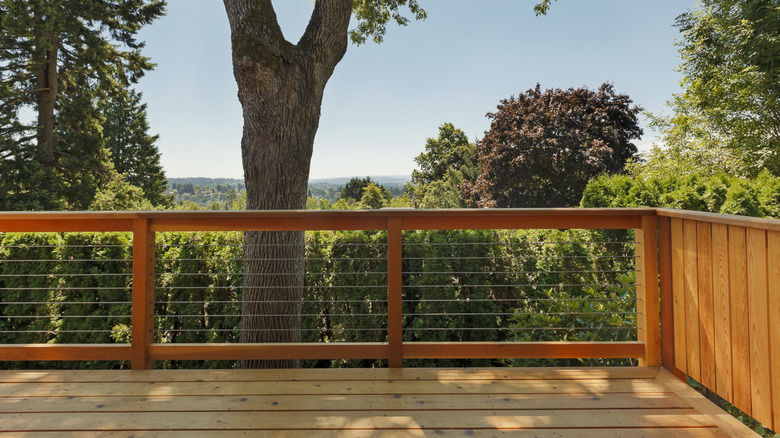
x: 15, y: 97
x: 325, y: 40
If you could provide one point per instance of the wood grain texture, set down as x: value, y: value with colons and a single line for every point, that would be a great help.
x: 666, y: 292
x: 704, y: 432
x: 143, y: 294
x: 721, y: 311
x: 773, y: 275
x: 678, y: 293
x: 758, y: 302
x: 691, y: 276
x: 536, y: 350
x: 648, y: 318
x: 706, y: 304
x: 726, y: 422
x: 395, y: 292
x: 71, y: 352
x: 740, y: 339
x: 448, y: 402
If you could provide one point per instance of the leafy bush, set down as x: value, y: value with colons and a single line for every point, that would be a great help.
x: 717, y: 193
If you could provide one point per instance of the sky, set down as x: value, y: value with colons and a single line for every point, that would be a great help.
x: 383, y: 101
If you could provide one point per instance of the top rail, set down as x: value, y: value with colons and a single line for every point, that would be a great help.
x: 301, y: 220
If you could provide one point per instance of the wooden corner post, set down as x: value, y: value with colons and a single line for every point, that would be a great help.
x: 394, y: 292
x: 648, y: 318
x: 143, y: 294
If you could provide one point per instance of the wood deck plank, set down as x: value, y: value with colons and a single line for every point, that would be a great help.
x: 330, y: 374
x: 340, y: 402
x: 378, y: 433
x: 406, y: 420
x: 430, y: 402
x: 162, y: 388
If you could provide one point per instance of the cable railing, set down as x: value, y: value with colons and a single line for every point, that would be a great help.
x: 392, y: 287
x: 382, y: 286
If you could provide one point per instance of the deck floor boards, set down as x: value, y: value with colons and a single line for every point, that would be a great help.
x: 534, y: 402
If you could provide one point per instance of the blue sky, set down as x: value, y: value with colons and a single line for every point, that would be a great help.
x: 383, y: 101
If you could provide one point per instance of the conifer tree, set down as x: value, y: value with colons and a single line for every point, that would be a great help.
x: 59, y: 59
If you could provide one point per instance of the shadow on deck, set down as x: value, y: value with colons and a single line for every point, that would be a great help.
x: 532, y: 402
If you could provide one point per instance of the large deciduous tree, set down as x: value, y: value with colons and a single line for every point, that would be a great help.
x: 59, y: 59
x: 280, y: 87
x: 729, y: 111
x: 544, y: 145
x: 445, y: 164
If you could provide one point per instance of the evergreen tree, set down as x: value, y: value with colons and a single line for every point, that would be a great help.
x: 133, y: 151
x: 60, y: 59
x: 354, y: 188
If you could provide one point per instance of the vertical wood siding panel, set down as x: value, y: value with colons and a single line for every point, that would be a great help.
x: 758, y: 302
x: 706, y: 326
x: 773, y: 267
x: 690, y: 264
x: 740, y: 342
x: 678, y: 293
x: 722, y: 310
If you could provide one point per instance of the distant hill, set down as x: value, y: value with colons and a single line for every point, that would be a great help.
x: 385, y: 180
x: 207, y: 182
x: 211, y: 192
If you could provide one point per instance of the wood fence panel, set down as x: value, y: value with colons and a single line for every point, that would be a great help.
x: 758, y: 311
x: 706, y: 301
x: 678, y: 294
x: 740, y: 341
x: 690, y: 265
x: 773, y: 267
x: 721, y: 310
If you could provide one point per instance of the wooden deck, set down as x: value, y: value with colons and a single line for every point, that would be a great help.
x: 532, y: 402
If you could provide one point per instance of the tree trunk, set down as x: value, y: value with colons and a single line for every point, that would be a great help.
x: 47, y: 98
x: 280, y: 86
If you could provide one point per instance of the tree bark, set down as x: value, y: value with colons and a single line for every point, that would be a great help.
x: 280, y: 86
x: 47, y: 98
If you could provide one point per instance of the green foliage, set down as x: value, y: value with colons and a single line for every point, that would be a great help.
x: 718, y: 193
x: 205, y: 193
x: 64, y: 60
x: 543, y: 7
x: 544, y: 146
x: 373, y: 15
x: 459, y: 285
x: 728, y: 110
x: 445, y: 165
x: 355, y: 188
x: 590, y: 315
x: 118, y: 195
x: 373, y: 197
x: 133, y: 151
x: 450, y: 151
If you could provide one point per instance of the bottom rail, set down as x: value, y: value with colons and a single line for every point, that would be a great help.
x: 345, y: 350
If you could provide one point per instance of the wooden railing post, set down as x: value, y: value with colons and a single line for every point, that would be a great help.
x: 394, y: 292
x: 143, y: 294
x: 648, y: 319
